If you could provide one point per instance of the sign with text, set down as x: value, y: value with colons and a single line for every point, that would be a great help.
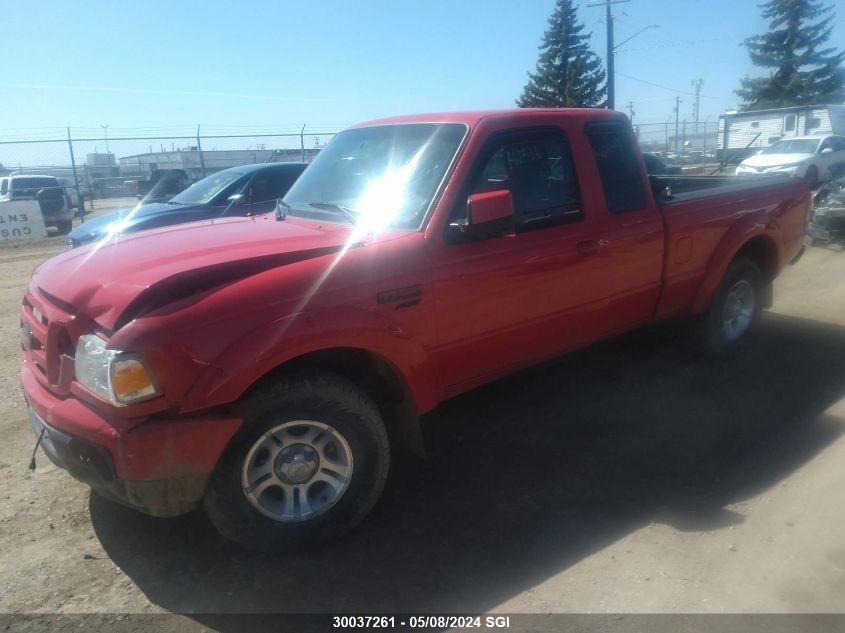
x: 21, y: 220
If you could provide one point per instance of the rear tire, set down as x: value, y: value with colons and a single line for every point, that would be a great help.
x: 726, y: 324
x: 307, y: 466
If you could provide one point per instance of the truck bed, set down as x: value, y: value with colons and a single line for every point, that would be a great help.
x: 696, y: 234
x: 677, y: 188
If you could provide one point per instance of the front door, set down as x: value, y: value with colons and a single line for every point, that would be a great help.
x: 508, y: 299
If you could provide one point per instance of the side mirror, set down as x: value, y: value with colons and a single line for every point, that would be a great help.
x: 488, y: 214
x: 827, y: 150
x: 483, y: 208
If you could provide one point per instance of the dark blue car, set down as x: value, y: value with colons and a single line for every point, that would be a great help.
x: 238, y: 191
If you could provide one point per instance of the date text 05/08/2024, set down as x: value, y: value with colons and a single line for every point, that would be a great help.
x: 421, y: 622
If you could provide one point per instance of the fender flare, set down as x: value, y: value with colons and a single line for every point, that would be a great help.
x: 257, y: 353
x: 749, y: 227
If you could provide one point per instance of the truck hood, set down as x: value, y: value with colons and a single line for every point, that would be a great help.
x: 116, y: 280
x: 773, y: 160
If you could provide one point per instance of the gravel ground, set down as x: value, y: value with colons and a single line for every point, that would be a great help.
x: 631, y: 477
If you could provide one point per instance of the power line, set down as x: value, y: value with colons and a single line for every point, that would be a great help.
x: 675, y: 90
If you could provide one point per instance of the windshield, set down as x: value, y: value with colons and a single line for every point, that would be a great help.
x: 207, y: 189
x: 378, y: 176
x: 794, y: 146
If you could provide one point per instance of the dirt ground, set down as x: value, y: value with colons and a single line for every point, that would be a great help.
x: 631, y: 477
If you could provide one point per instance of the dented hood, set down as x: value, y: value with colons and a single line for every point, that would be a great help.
x: 112, y: 281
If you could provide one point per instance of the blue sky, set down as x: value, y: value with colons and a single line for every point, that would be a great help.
x: 154, y: 65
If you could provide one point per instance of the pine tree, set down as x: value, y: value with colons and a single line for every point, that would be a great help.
x: 568, y: 73
x: 802, y: 72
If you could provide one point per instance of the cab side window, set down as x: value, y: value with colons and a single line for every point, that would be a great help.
x: 538, y: 170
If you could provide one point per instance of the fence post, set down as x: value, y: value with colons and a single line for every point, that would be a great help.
x: 80, y: 201
x: 302, y: 141
x: 199, y: 149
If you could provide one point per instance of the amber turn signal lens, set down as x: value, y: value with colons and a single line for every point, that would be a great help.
x: 131, y: 380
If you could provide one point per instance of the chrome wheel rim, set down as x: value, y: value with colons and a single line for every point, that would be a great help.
x: 739, y: 309
x: 297, y: 470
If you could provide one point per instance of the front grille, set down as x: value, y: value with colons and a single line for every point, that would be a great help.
x: 47, y: 343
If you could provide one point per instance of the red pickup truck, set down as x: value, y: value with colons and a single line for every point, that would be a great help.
x: 265, y: 366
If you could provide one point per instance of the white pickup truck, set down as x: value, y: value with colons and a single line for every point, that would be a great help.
x: 53, y: 200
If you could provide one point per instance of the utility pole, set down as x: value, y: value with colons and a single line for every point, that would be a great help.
x: 677, y: 107
x: 611, y: 96
x: 108, y: 153
x: 696, y: 108
x: 106, y: 136
x: 631, y: 110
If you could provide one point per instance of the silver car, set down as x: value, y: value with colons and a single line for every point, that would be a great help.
x: 814, y: 158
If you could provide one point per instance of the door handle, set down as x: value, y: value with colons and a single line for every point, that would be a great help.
x: 590, y: 247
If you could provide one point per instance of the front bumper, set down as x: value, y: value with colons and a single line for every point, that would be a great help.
x: 794, y: 171
x: 158, y: 466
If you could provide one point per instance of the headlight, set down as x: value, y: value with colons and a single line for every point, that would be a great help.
x: 92, y: 365
x: 116, y: 377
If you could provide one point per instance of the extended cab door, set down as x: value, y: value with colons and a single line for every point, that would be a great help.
x: 557, y: 279
x: 632, y: 227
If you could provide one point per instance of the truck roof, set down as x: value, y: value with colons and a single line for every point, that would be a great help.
x: 472, y: 118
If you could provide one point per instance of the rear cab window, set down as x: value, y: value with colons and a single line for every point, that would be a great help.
x: 28, y: 187
x: 619, y: 170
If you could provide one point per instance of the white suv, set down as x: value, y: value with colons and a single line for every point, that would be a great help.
x: 814, y: 158
x: 48, y: 191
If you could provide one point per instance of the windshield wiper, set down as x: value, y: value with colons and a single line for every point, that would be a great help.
x: 346, y: 212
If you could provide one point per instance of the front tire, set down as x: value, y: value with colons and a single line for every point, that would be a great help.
x: 307, y: 466
x: 64, y: 226
x: 726, y: 324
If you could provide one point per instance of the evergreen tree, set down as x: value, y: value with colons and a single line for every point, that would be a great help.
x: 802, y: 72
x: 568, y: 73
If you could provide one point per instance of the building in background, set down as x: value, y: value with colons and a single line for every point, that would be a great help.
x: 211, y: 161
x: 101, y: 165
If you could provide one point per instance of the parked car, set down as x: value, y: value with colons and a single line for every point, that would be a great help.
x: 813, y: 158
x: 47, y: 190
x: 163, y: 184
x: 654, y: 164
x: 246, y: 190
x: 264, y: 366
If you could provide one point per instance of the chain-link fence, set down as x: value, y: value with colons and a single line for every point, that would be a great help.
x: 690, y: 145
x: 116, y: 165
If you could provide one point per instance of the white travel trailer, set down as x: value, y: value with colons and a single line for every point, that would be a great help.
x: 760, y: 128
